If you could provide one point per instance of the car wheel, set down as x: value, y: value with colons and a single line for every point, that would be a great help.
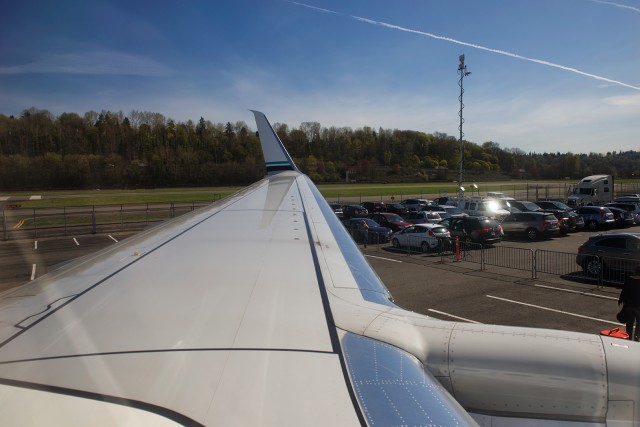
x: 593, y: 266
x: 395, y: 243
x: 532, y: 234
x: 592, y: 225
x: 425, y: 247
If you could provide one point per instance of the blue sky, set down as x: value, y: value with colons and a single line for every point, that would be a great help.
x: 547, y: 75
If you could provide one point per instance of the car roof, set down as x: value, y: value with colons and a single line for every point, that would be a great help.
x: 428, y: 225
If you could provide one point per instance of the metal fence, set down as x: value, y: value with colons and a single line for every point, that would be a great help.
x: 50, y: 222
x: 571, y: 266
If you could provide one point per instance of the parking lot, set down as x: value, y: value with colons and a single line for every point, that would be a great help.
x: 440, y: 287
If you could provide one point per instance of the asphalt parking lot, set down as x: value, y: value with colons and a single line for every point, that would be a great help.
x: 419, y: 282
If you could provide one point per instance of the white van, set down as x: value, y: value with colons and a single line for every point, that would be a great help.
x: 483, y: 206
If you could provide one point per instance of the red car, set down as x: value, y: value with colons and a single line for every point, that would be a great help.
x: 390, y: 220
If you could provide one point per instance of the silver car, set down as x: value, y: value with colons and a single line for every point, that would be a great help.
x: 533, y: 225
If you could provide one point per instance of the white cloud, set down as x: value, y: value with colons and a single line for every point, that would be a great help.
x: 98, y: 63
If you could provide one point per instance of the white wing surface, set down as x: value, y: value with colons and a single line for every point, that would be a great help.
x: 260, y: 310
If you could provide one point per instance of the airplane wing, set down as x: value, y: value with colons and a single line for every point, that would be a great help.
x: 260, y: 310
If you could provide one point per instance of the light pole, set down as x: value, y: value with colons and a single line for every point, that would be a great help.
x: 462, y: 70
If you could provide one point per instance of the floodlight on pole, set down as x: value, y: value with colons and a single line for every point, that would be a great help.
x: 462, y: 70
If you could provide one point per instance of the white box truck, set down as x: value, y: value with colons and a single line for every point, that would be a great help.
x: 592, y: 190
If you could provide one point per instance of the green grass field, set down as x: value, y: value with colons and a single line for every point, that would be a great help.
x: 353, y: 191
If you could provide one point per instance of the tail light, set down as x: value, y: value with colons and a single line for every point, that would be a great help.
x: 602, y: 213
x: 580, y: 249
x: 431, y: 233
x: 484, y: 230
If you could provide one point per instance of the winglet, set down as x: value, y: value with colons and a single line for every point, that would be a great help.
x: 276, y: 156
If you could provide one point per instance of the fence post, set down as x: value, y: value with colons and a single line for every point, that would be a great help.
x: 4, y: 226
x: 534, y: 264
x: 457, y: 248
x: 93, y: 219
x: 35, y: 225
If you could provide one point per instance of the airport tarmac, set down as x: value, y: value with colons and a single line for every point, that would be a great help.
x: 421, y: 283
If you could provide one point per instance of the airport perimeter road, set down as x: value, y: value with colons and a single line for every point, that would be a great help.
x: 461, y: 291
x: 24, y: 260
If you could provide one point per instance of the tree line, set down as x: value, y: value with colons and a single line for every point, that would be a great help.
x: 146, y: 149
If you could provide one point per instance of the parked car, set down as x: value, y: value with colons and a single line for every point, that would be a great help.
x: 568, y: 221
x: 533, y: 225
x: 423, y: 217
x: 454, y: 211
x: 336, y: 208
x: 596, y: 217
x: 604, y: 254
x: 390, y: 220
x: 396, y: 208
x: 376, y: 233
x: 415, y: 204
x: 621, y: 217
x: 373, y: 207
x: 424, y: 236
x: 525, y: 206
x: 477, y: 229
x: 354, y: 211
x: 633, y: 208
x: 553, y: 205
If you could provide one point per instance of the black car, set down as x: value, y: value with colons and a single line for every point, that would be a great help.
x: 609, y: 255
x: 525, y: 206
x: 354, y: 211
x: 396, y: 208
x: 376, y: 233
x: 622, y: 217
x: 477, y: 229
x: 373, y: 207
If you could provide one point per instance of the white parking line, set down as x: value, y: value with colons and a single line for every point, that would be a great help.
x: 4, y: 198
x: 577, y: 292
x: 386, y: 259
x: 35, y: 245
x: 451, y: 315
x: 33, y: 271
x: 554, y: 310
x: 77, y: 244
x: 35, y: 198
x: 113, y: 238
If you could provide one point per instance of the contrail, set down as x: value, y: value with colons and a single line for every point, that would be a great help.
x: 475, y: 46
x: 622, y: 6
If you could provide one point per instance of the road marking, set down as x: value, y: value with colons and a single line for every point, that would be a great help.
x: 451, y: 315
x: 35, y: 245
x: 113, y: 238
x: 35, y: 197
x: 4, y: 198
x: 577, y: 292
x: 33, y: 271
x: 77, y: 244
x: 554, y: 310
x: 386, y: 259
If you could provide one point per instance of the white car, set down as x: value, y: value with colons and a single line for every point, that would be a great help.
x: 424, y: 236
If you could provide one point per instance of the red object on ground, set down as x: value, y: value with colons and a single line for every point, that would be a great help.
x: 616, y: 333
